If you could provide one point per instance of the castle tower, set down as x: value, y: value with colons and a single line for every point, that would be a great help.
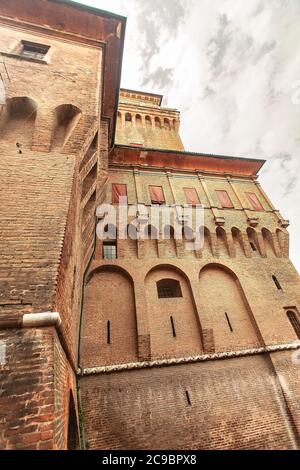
x: 155, y: 341
x: 55, y: 132
x: 189, y: 348
x: 143, y: 122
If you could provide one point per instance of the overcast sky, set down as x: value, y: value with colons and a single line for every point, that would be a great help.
x: 233, y: 70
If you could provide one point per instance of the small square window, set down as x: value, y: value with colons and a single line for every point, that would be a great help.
x: 156, y: 195
x: 109, y: 250
x: 33, y: 50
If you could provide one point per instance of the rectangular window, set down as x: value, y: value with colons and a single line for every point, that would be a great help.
x: 33, y: 50
x: 109, y: 249
x: 254, y: 201
x: 191, y: 196
x: 224, y: 199
x: 156, y: 195
x: 118, y: 191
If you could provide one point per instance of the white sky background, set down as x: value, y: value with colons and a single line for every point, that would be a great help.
x: 233, y: 70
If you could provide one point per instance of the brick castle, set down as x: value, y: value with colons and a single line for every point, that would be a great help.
x: 136, y: 343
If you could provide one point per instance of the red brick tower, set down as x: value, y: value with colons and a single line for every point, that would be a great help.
x: 180, y: 348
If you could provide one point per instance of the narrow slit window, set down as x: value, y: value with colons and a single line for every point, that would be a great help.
x: 276, y: 282
x: 228, y: 321
x: 108, y: 331
x: 188, y: 398
x: 253, y: 246
x: 109, y: 249
x: 173, y: 326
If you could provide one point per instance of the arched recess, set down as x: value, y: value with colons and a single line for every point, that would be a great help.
x: 130, y: 249
x: 157, y: 122
x: 225, y: 310
x: 253, y: 241
x: 109, y: 318
x: 17, y: 121
x: 222, y: 242
x: 148, y: 121
x: 207, y: 243
x: 73, y: 436
x: 169, y: 242
x: 268, y: 242
x: 171, y: 314
x: 188, y: 242
x: 237, y: 242
x: 167, y: 125
x: 138, y: 120
x: 150, y: 241
x: 66, y: 117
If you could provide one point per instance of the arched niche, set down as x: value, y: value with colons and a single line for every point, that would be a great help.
x: 73, y: 435
x: 268, y: 242
x: 66, y: 117
x: 157, y: 122
x: 237, y: 242
x: 167, y: 124
x: 222, y: 242
x: 171, y: 314
x: 119, y: 119
x: 148, y: 121
x: 130, y: 249
x: 109, y: 318
x: 17, y: 121
x: 207, y: 243
x: 225, y: 310
x: 253, y: 241
x: 188, y: 238
x: 169, y: 242
x: 150, y: 241
x: 138, y: 120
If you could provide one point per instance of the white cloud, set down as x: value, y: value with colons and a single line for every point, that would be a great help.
x: 233, y: 67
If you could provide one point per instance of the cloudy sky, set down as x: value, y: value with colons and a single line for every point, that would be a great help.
x: 233, y: 70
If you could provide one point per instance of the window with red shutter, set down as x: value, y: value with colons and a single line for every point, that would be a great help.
x: 191, y: 196
x: 224, y: 199
x: 118, y: 190
x: 156, y: 195
x: 254, y: 201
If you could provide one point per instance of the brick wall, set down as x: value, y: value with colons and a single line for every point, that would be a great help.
x: 235, y: 404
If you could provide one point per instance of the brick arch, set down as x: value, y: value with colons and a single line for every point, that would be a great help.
x: 17, y: 121
x: 109, y: 318
x: 268, y: 241
x: 66, y: 118
x: 222, y: 242
x: 73, y: 434
x: 254, y: 242
x: 169, y: 315
x: 237, y: 239
x: 225, y: 310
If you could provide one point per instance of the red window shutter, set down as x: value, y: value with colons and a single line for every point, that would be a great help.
x: 156, y: 194
x: 191, y: 196
x: 255, y: 203
x: 224, y: 199
x: 118, y: 190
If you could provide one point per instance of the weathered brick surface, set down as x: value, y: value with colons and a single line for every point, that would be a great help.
x: 35, y: 385
x: 235, y: 404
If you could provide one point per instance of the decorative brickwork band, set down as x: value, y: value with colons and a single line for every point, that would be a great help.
x: 190, y: 359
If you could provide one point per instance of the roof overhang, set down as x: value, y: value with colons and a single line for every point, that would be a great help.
x: 82, y: 23
x: 186, y: 161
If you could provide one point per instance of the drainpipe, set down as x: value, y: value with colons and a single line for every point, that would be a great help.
x: 39, y: 320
